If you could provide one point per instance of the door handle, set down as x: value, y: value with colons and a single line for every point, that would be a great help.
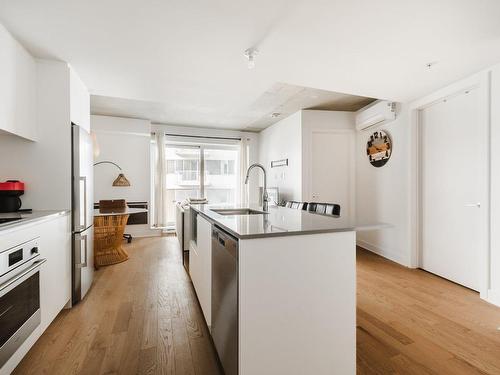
x: 478, y: 205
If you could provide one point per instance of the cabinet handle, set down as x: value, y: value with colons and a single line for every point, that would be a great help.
x: 6, y: 310
x: 18, y: 279
x: 478, y: 205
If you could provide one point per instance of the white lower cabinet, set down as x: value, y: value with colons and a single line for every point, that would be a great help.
x: 54, y: 244
x: 55, y: 275
x: 200, y: 266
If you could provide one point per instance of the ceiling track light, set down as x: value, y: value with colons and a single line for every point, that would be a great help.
x: 250, y: 54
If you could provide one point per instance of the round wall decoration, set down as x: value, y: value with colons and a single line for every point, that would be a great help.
x: 379, y: 148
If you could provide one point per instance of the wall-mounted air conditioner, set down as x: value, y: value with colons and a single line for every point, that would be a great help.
x: 376, y: 114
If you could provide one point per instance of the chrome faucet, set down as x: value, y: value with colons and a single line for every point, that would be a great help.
x: 265, y: 197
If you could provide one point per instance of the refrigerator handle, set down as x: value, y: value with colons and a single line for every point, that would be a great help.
x: 84, y: 179
x: 83, y: 237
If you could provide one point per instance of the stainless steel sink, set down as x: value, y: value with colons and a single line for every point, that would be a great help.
x: 238, y: 211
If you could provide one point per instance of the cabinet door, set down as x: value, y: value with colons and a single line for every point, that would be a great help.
x: 204, y: 242
x: 79, y: 102
x: 18, y: 88
x: 194, y: 266
x: 55, y: 276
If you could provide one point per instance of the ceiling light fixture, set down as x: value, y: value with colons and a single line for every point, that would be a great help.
x: 431, y: 64
x: 250, y: 54
x: 275, y: 114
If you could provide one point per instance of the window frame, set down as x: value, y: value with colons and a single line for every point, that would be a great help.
x: 209, y: 146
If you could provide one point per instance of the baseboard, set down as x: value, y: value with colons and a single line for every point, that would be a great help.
x: 142, y: 232
x: 151, y: 233
x: 383, y: 253
x: 493, y: 297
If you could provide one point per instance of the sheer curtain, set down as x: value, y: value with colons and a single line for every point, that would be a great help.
x: 243, y: 171
x: 160, y: 182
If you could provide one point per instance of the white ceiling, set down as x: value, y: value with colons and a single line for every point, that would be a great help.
x: 188, y: 55
x: 275, y: 104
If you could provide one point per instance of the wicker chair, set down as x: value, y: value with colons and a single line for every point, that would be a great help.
x: 108, y: 238
x: 108, y: 234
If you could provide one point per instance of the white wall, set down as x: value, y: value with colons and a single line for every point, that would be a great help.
x: 291, y: 138
x: 17, y: 88
x: 79, y: 102
x: 283, y: 140
x: 382, y: 194
x: 45, y: 165
x: 326, y: 120
x: 125, y: 142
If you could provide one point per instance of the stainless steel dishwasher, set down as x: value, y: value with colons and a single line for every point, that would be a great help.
x: 225, y: 299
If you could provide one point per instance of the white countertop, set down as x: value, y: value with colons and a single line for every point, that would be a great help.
x: 281, y: 221
x: 23, y: 218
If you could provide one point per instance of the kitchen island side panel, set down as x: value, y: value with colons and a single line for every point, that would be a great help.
x: 297, y: 305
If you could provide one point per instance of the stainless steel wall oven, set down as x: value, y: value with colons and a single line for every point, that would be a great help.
x: 19, y: 296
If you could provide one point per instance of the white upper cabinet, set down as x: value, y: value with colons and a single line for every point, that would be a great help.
x: 79, y: 101
x: 17, y: 88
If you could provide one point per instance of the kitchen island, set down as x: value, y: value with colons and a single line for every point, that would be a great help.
x: 289, y: 307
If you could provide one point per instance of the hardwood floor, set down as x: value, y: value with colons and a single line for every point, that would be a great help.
x: 141, y: 317
x: 413, y: 322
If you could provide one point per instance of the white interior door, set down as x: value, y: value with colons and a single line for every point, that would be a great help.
x: 453, y: 185
x: 332, y: 169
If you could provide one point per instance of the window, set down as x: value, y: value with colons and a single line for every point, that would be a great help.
x: 204, y: 170
x: 183, y: 176
x: 220, y: 182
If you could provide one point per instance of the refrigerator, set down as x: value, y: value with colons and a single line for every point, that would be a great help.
x: 82, y: 212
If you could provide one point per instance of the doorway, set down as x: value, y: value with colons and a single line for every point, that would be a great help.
x: 453, y: 184
x: 332, y: 169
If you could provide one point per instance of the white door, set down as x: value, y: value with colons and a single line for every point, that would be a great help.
x: 453, y: 182
x: 332, y: 168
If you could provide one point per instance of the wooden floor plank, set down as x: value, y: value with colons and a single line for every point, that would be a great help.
x: 165, y: 352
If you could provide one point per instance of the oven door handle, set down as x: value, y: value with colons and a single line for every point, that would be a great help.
x: 13, y: 282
